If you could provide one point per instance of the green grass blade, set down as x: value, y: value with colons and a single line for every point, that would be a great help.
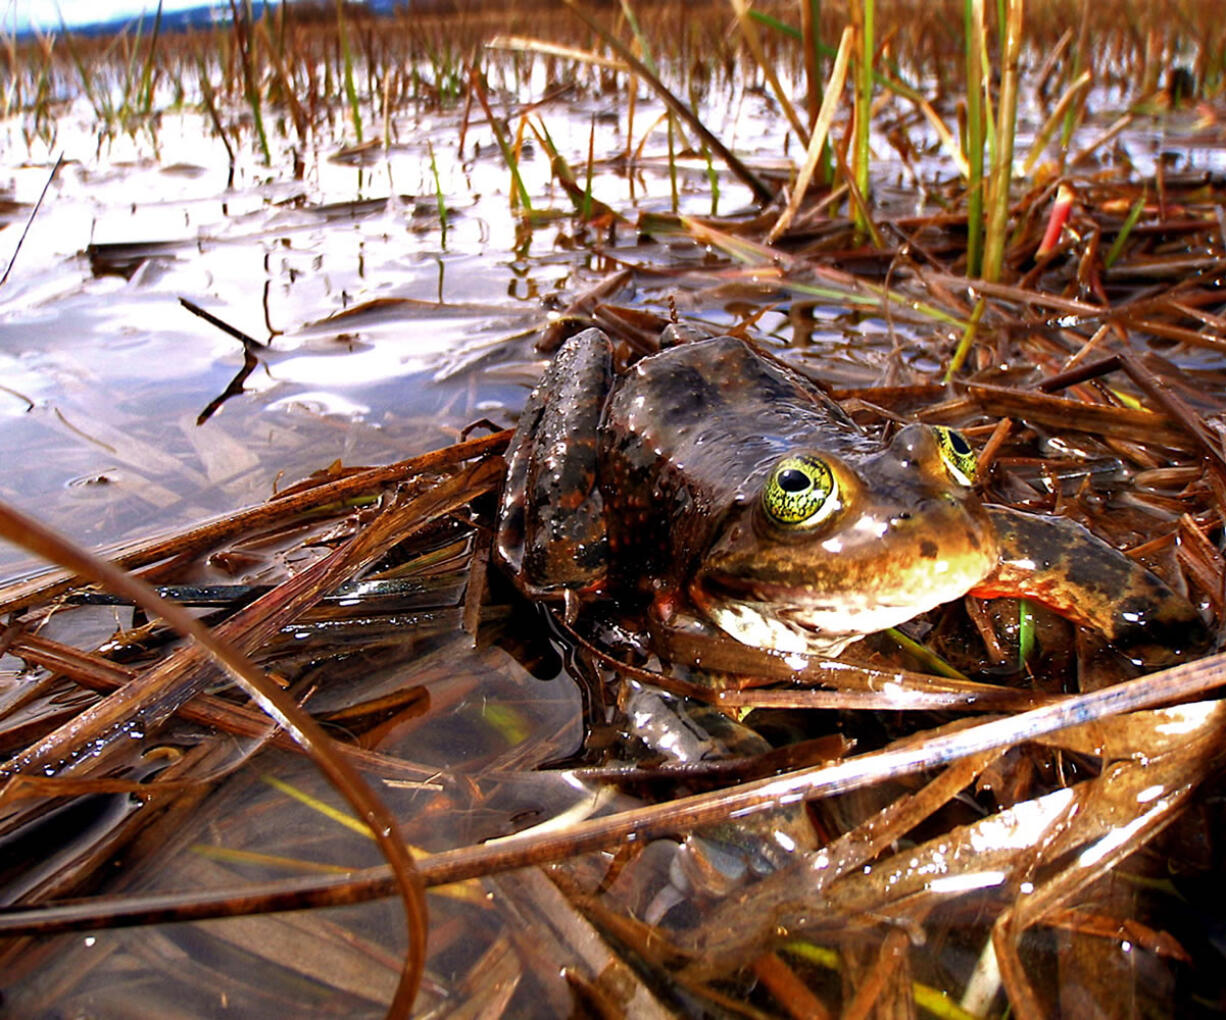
x: 146, y: 86
x: 639, y: 37
x: 504, y: 144
x: 1121, y: 239
x: 964, y: 345
x: 1025, y: 632
x: 973, y: 31
x: 863, y: 111
x: 438, y: 194
x: 1002, y: 156
x: 351, y: 92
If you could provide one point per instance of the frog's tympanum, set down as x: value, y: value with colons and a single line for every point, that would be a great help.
x: 711, y: 475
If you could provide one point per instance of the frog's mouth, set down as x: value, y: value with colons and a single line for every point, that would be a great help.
x: 782, y: 619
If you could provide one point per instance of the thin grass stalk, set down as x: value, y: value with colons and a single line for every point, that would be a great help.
x: 587, y: 205
x: 964, y: 344
x: 750, y: 34
x: 860, y: 207
x: 712, y: 180
x: 147, y: 76
x: 632, y: 93
x: 210, y: 104
x: 782, y: 27
x: 130, y: 52
x: 822, y: 51
x: 517, y: 151
x: 585, y: 213
x: 280, y: 25
x: 276, y: 55
x: 12, y: 81
x: 863, y: 18
x: 387, y: 114
x: 45, y: 125
x: 1058, y: 115
x: 1025, y: 632
x: 929, y: 999
x: 351, y: 91
x: 1002, y: 156
x: 639, y: 38
x: 244, y: 42
x: 989, y: 113
x: 672, y: 162
x: 930, y: 660
x: 1103, y: 139
x: 59, y: 161
x: 134, y: 91
x: 439, y: 196
x: 810, y: 30
x: 818, y: 141
x: 519, y: 190
x: 1121, y: 239
x: 1074, y: 114
x: 879, y: 297
x: 519, y: 43
x: 975, y: 90
x: 811, y: 20
x: 952, y: 148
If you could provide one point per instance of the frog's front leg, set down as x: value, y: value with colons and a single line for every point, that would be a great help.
x: 1061, y: 564
x: 551, y: 531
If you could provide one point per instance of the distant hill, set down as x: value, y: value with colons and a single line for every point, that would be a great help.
x: 172, y: 21
x: 207, y: 15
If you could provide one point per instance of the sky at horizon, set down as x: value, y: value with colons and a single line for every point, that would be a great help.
x: 21, y: 15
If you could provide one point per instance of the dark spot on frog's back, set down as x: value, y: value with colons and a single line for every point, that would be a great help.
x: 928, y: 549
x: 686, y: 394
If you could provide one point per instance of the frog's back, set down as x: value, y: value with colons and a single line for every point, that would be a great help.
x: 693, y: 430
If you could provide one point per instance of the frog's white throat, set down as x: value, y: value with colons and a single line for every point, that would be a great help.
x: 807, y: 630
x: 773, y: 633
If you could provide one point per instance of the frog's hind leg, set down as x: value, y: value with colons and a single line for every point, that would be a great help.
x: 551, y: 531
x: 1061, y: 564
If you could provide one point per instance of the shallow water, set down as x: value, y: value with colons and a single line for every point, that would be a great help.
x: 104, y: 373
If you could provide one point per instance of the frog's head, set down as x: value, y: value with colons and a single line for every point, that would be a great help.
x: 822, y: 549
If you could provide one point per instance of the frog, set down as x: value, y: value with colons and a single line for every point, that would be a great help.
x: 714, y: 481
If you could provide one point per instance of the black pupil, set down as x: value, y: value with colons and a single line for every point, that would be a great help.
x: 959, y: 444
x: 792, y: 480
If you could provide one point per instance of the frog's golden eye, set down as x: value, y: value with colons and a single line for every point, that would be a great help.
x: 801, y: 491
x: 957, y: 454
